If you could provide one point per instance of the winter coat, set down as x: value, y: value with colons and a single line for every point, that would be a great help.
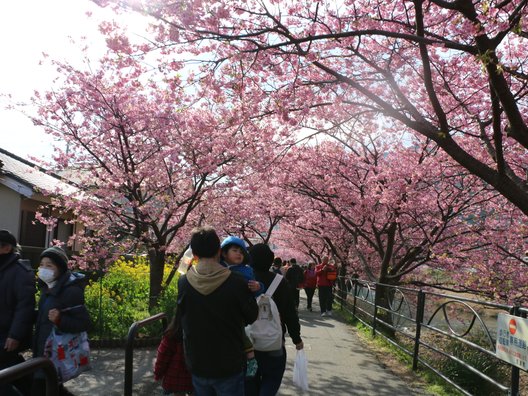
x: 295, y: 276
x: 310, y: 279
x: 215, y: 305
x: 321, y: 271
x: 170, y: 366
x: 17, y: 299
x: 68, y: 297
x: 247, y: 272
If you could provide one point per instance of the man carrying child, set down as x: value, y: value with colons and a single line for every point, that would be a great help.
x: 215, y: 304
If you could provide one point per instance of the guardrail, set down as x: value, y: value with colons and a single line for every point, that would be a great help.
x: 416, y: 321
x: 30, y: 366
x: 129, y: 348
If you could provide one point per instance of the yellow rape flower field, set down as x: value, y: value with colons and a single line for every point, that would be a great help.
x: 120, y: 298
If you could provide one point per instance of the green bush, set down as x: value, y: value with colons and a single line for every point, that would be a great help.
x: 121, y: 296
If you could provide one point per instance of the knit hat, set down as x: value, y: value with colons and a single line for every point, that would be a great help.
x: 261, y: 257
x: 58, y: 256
x: 7, y: 238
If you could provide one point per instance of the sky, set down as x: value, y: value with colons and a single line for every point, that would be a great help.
x: 28, y: 29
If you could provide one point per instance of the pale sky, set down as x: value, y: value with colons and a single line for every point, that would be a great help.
x: 29, y: 28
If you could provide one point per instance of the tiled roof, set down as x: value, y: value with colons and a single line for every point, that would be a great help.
x: 27, y: 176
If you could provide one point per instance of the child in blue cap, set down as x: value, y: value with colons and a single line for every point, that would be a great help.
x: 236, y: 257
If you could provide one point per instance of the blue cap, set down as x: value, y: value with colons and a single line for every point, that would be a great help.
x: 233, y: 240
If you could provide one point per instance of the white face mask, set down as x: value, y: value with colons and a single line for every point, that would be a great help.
x: 47, y: 275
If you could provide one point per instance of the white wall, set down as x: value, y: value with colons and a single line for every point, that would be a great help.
x: 10, y: 210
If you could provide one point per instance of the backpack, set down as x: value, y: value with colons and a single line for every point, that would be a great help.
x: 331, y: 275
x: 266, y: 332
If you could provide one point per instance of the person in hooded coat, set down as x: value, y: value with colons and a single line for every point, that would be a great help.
x: 61, y: 305
x: 17, y: 302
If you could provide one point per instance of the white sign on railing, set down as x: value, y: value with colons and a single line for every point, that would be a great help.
x: 512, y: 340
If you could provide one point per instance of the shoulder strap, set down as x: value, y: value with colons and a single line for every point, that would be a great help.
x: 274, y: 284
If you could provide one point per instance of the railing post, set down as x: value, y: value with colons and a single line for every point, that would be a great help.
x: 129, y: 348
x: 515, y: 372
x: 342, y: 290
x: 375, y: 315
x: 129, y: 359
x: 420, y: 308
x: 355, y: 298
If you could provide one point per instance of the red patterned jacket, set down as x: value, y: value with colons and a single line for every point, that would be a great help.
x: 170, y: 366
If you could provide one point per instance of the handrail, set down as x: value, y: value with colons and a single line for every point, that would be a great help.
x: 129, y: 347
x: 363, y: 299
x: 28, y: 367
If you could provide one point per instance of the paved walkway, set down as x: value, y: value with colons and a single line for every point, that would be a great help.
x: 338, y: 364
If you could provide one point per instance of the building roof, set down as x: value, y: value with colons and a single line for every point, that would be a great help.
x: 29, y: 179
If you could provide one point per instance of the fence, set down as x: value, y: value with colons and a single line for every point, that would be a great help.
x: 438, y: 331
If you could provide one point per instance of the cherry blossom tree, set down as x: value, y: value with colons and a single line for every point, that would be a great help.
x: 313, y: 233
x: 254, y: 208
x: 407, y: 212
x: 144, y: 153
x: 453, y: 72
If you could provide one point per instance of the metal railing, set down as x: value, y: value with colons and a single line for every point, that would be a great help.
x: 28, y: 367
x: 129, y: 348
x: 421, y: 323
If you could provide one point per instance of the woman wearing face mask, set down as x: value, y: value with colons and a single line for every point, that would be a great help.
x: 61, y: 305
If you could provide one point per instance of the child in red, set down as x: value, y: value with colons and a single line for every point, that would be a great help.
x: 170, y: 362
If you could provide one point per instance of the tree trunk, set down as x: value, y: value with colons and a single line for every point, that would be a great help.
x: 384, y: 300
x: 157, y: 263
x: 383, y: 293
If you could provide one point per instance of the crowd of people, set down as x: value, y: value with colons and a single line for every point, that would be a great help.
x: 216, y: 342
x: 207, y: 349
x: 23, y: 322
x: 311, y: 277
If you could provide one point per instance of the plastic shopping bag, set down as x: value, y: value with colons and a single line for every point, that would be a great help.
x: 185, y: 261
x: 300, y: 371
x: 69, y: 352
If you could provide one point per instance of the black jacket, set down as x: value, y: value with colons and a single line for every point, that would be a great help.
x: 67, y: 293
x: 284, y: 301
x: 17, y: 300
x: 213, y: 326
x: 294, y: 276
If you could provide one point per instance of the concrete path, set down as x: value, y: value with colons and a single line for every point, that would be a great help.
x: 338, y: 364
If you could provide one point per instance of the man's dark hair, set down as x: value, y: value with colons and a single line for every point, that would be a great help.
x: 277, y: 262
x: 205, y: 242
x: 293, y: 261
